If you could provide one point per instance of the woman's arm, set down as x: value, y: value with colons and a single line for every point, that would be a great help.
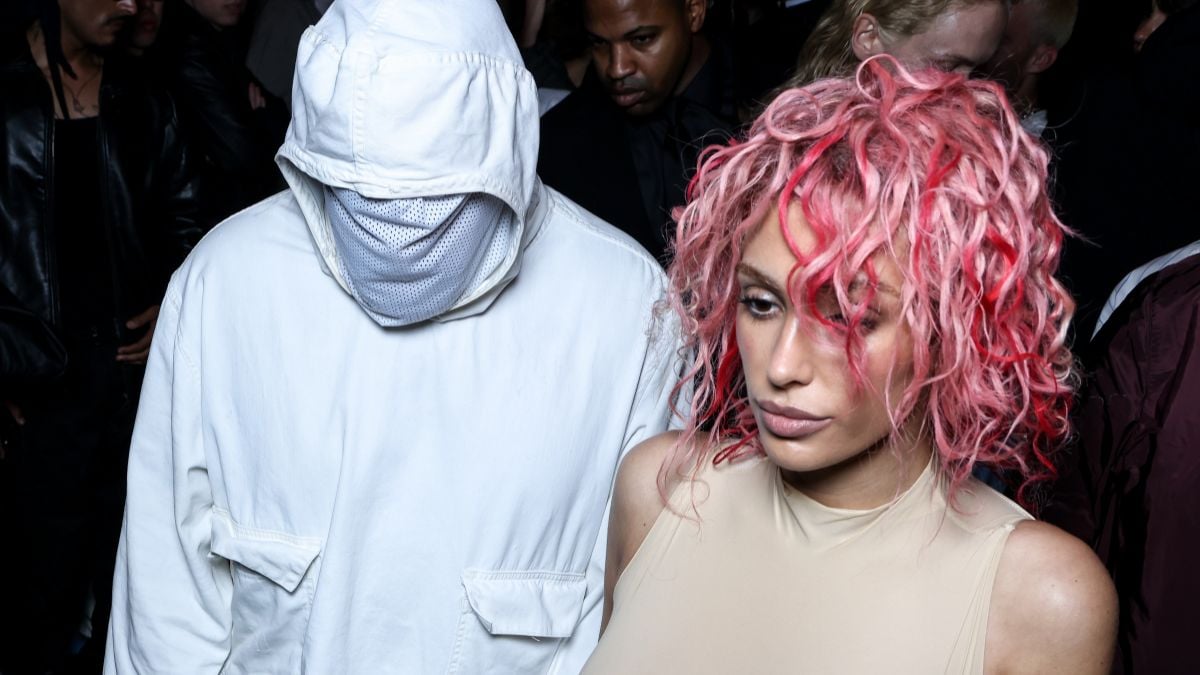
x: 636, y: 505
x: 1054, y: 607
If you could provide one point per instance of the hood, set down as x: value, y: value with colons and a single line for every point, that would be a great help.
x: 404, y: 98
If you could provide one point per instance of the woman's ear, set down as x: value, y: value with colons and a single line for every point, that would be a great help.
x: 865, y: 39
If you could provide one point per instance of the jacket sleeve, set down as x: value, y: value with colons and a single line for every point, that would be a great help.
x: 177, y: 192
x: 1136, y: 469
x: 227, y: 125
x: 649, y: 415
x: 171, y: 596
x: 29, y: 351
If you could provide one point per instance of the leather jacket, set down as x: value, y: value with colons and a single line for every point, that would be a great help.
x: 235, y: 146
x: 149, y: 199
x: 30, y: 353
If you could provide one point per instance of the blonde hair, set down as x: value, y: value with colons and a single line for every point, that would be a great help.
x: 828, y: 51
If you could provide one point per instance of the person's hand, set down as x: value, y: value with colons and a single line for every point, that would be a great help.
x: 14, y: 411
x: 137, y: 352
x: 257, y: 100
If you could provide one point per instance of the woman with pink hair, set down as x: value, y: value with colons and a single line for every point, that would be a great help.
x: 866, y: 282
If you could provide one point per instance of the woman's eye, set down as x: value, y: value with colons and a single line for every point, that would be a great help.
x: 759, y: 308
x: 866, y: 324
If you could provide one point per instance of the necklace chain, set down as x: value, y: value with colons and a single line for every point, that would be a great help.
x: 37, y: 38
x: 75, y: 93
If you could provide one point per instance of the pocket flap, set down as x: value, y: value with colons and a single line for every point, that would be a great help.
x: 281, y: 557
x: 536, y: 604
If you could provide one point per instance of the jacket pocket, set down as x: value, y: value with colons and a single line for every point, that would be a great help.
x: 274, y: 575
x: 514, y: 622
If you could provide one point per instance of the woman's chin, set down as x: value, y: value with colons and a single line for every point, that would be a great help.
x: 803, y: 456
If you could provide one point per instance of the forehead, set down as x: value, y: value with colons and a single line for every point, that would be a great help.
x: 968, y: 33
x: 767, y: 250
x: 617, y: 17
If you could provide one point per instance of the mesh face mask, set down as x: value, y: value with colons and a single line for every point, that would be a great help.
x: 408, y: 260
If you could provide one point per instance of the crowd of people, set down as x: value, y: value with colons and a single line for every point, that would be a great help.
x: 599, y: 335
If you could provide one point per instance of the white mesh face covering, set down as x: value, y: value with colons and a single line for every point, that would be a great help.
x: 409, y: 260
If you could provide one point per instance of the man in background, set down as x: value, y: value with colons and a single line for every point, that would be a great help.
x: 97, y: 209
x: 236, y: 125
x: 1037, y: 30
x: 624, y: 144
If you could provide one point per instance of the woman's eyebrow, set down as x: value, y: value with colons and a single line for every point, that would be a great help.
x: 860, y: 282
x: 758, y: 277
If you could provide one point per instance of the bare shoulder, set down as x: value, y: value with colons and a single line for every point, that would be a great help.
x: 637, y: 501
x: 1054, y: 607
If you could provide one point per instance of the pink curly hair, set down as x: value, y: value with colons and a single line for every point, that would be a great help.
x: 935, y: 171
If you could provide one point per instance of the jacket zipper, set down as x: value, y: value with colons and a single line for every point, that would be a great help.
x: 48, y: 243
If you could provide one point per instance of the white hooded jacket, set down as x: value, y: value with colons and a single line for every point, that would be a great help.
x: 310, y: 492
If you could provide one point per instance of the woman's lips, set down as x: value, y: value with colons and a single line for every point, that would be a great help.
x: 791, y: 423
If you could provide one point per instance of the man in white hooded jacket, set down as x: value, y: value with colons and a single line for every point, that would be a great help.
x: 384, y: 409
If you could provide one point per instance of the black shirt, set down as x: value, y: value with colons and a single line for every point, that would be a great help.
x: 84, y: 254
x: 628, y: 171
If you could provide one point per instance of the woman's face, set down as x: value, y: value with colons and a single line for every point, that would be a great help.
x: 146, y: 23
x: 810, y: 415
x: 959, y: 40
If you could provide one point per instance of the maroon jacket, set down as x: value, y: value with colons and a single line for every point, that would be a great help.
x: 1132, y: 489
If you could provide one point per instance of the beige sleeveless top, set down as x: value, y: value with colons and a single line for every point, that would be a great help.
x: 770, y: 581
